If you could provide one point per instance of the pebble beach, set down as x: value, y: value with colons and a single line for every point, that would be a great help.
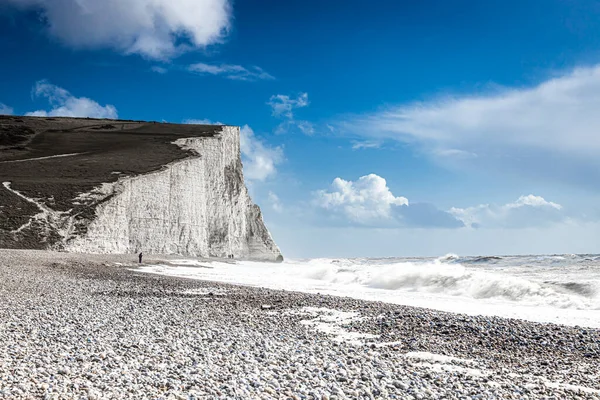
x: 75, y: 326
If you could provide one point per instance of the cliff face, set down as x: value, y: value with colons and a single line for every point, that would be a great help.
x: 198, y: 207
x: 196, y: 204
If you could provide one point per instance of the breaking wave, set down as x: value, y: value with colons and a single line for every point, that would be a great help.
x: 454, y: 279
x: 580, y: 288
x: 556, y: 288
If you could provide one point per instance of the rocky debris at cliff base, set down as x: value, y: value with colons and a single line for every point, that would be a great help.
x: 76, y: 326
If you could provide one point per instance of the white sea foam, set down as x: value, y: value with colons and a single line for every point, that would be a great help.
x: 439, y: 362
x: 332, y: 322
x: 532, y: 288
x: 438, y: 358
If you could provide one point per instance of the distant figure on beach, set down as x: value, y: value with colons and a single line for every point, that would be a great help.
x: 140, y: 256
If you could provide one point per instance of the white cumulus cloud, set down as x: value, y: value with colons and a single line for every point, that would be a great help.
x: 526, y: 211
x: 366, y: 201
x: 235, y: 72
x: 64, y: 104
x: 369, y: 202
x: 6, y: 110
x: 533, y: 201
x: 153, y: 28
x: 260, y: 160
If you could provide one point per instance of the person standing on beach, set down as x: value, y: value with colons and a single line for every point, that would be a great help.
x: 140, y: 256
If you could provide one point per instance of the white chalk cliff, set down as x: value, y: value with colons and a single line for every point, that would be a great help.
x: 198, y: 207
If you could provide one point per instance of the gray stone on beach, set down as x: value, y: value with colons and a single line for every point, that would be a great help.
x: 80, y: 326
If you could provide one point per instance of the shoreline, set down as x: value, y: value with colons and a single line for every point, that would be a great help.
x: 531, y: 302
x: 76, y: 325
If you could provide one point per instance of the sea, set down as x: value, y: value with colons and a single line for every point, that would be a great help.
x: 563, y: 289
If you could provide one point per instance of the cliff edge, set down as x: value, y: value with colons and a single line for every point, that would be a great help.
x: 107, y: 186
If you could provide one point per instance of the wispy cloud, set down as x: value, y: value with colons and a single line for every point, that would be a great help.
x: 275, y: 202
x: 156, y: 29
x: 526, y: 211
x: 231, y: 71
x: 525, y: 128
x: 306, y: 127
x: 201, y: 122
x: 293, y: 125
x: 5, y: 110
x: 64, y: 104
x: 159, y: 69
x: 283, y: 105
x: 365, y: 144
x: 454, y: 154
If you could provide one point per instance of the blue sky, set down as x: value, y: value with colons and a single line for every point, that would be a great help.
x: 369, y: 128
